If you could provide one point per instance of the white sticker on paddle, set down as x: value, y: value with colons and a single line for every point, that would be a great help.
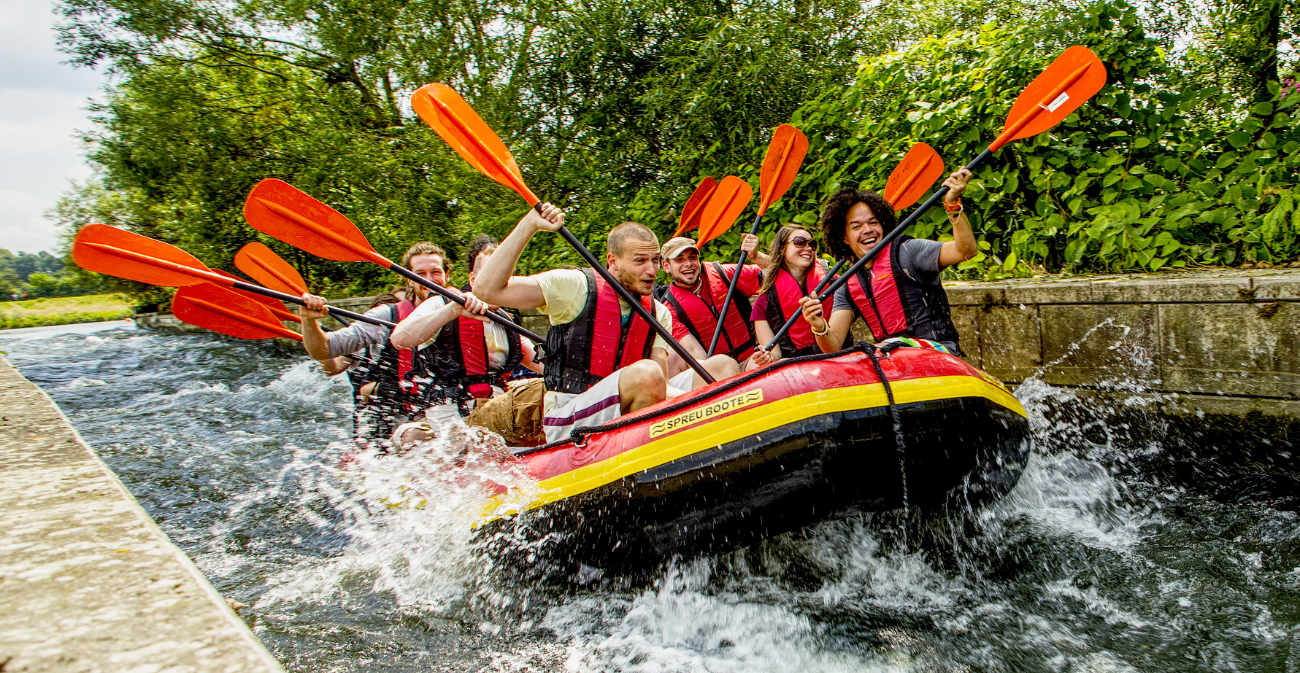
x: 1060, y: 100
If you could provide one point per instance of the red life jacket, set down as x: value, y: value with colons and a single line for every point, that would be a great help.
x: 893, y: 303
x: 406, y: 356
x: 783, y: 302
x: 877, y: 298
x: 403, y: 375
x: 460, y: 357
x: 700, y: 317
x: 582, y: 351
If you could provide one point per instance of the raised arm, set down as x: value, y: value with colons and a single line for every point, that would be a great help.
x: 962, y: 246
x: 423, y: 325
x: 314, y: 340
x: 496, y: 283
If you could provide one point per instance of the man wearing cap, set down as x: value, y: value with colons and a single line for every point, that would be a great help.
x: 697, y: 293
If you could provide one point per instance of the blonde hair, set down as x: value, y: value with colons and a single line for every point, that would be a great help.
x: 620, y: 235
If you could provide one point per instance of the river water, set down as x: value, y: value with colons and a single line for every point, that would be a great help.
x: 1110, y: 555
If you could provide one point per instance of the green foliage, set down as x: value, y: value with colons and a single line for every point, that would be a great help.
x: 1124, y: 184
x: 615, y: 110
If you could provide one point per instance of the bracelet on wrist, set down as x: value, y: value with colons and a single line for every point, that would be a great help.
x: 825, y: 329
x: 952, y: 207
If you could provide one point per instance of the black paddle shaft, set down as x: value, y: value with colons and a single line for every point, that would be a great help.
x: 451, y: 296
x: 731, y: 287
x: 334, y: 311
x: 636, y: 305
x: 880, y: 245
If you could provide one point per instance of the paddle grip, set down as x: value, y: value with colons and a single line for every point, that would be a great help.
x: 334, y: 311
x: 452, y: 296
x: 636, y: 305
x: 731, y: 287
x: 880, y: 245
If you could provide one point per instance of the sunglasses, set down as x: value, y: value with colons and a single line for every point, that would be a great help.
x: 803, y: 242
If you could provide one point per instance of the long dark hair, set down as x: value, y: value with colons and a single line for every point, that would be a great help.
x: 835, y: 215
x: 777, y: 254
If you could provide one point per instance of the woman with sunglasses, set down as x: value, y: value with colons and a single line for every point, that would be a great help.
x: 795, y: 271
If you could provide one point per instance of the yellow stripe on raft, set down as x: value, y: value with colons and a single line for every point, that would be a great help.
x: 752, y: 421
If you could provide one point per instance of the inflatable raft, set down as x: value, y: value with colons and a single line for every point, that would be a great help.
x: 768, y: 451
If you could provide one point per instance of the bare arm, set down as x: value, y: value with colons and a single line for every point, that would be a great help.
x: 335, y: 366
x: 763, y: 333
x: 314, y: 340
x: 962, y: 246
x: 421, y: 326
x: 840, y: 323
x: 495, y: 282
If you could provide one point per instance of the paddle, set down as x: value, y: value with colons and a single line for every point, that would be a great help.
x: 228, y: 312
x: 725, y: 204
x: 1060, y: 89
x: 117, y: 252
x: 784, y: 156
x: 280, y: 210
x: 461, y: 127
x: 276, y: 307
x: 692, y: 209
x: 264, y: 266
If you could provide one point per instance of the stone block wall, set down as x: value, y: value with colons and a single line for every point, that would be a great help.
x: 1229, y: 335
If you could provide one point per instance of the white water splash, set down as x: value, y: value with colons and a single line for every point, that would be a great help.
x: 683, y: 624
x: 408, y: 520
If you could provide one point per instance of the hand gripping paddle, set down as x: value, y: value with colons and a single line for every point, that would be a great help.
x: 461, y: 127
x: 283, y: 211
x: 117, y: 252
x: 1074, y: 77
x: 784, y: 156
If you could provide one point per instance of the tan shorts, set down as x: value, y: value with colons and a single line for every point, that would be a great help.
x: 516, y: 414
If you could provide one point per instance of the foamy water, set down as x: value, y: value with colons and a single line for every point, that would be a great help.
x: 358, y: 563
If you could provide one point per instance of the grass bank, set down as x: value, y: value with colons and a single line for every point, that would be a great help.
x: 63, y: 310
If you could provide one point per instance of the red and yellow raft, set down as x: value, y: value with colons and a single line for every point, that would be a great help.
x: 775, y: 449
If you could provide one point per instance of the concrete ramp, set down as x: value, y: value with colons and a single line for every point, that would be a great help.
x: 88, y: 582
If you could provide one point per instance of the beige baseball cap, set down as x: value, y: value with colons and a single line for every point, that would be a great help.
x: 677, y: 246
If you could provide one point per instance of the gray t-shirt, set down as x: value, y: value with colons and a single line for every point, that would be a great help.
x: 359, y: 335
x: 919, y: 258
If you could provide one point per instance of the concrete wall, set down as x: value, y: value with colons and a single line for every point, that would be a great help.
x: 1221, y: 339
x: 88, y: 582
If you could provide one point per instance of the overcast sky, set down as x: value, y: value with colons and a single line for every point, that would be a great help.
x: 44, y: 106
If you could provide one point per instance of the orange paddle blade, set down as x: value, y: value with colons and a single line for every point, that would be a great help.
x: 275, y: 306
x: 283, y: 211
x: 913, y: 176
x: 723, y: 207
x: 263, y: 265
x: 117, y: 252
x: 227, y: 312
x: 1070, y: 80
x: 784, y: 156
x: 694, y: 206
x: 443, y: 109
